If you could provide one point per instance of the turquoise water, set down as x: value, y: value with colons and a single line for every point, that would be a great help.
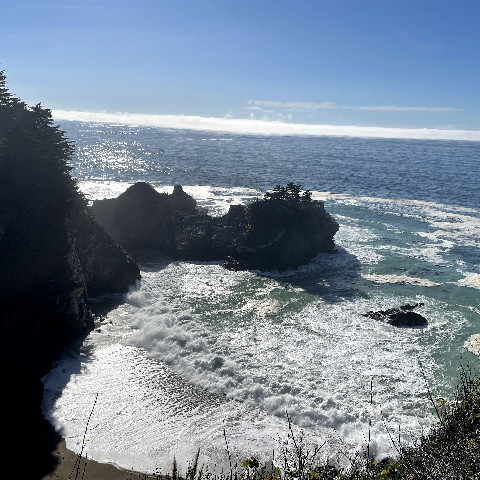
x: 195, y: 347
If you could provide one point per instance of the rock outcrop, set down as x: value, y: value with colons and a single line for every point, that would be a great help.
x: 273, y: 233
x: 105, y: 266
x: 400, y: 317
x: 49, y: 271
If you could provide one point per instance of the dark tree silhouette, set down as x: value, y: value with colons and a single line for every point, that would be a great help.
x: 290, y: 193
x: 48, y: 239
x: 52, y: 255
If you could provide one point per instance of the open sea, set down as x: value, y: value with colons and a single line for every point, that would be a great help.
x: 194, y: 349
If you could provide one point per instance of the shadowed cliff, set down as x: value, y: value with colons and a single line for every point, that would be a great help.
x: 53, y: 257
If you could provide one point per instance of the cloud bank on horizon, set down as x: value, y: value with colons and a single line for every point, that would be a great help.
x: 333, y: 105
x: 263, y: 127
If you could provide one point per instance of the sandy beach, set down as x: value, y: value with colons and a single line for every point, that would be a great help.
x: 67, y: 467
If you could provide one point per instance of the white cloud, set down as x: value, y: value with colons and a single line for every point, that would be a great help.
x: 255, y: 126
x: 308, y: 105
x: 333, y: 105
x: 396, y: 108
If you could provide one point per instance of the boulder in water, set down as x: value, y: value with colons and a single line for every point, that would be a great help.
x: 400, y: 317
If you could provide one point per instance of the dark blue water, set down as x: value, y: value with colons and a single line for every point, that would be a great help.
x: 440, y: 171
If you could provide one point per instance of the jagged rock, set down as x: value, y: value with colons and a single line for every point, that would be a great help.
x: 181, y: 201
x: 140, y: 218
x: 407, y: 319
x: 408, y: 307
x: 282, y: 234
x: 49, y: 276
x: 271, y: 234
x: 400, y: 317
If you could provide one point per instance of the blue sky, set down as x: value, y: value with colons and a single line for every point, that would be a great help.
x: 389, y: 63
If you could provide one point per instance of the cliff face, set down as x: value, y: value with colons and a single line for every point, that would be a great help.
x: 49, y: 270
x: 274, y: 233
x: 105, y: 267
x: 53, y: 256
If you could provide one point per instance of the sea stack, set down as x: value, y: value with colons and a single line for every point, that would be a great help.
x: 284, y: 230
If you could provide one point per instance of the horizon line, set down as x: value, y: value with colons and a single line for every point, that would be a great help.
x: 264, y: 127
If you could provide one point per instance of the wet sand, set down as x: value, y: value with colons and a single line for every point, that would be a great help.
x: 68, y: 466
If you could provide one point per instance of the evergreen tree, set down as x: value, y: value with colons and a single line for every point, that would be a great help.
x: 289, y: 193
x: 5, y: 95
x: 34, y: 156
x: 37, y: 197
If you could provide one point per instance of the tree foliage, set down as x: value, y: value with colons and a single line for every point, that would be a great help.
x: 34, y: 159
x: 290, y: 193
x: 37, y: 199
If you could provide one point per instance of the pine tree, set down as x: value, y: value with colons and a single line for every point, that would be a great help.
x: 5, y: 96
x: 37, y: 196
x: 34, y: 160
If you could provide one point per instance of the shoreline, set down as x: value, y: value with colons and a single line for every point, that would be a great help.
x: 64, y: 466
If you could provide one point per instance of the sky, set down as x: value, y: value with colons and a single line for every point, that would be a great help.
x: 390, y: 63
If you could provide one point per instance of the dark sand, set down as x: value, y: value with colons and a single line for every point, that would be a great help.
x: 67, y: 467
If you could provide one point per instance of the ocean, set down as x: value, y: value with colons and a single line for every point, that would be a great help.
x: 195, y: 353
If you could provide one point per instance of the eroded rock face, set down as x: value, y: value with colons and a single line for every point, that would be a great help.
x: 138, y: 219
x: 400, y: 317
x: 265, y: 235
x: 105, y: 267
x: 49, y: 266
x: 282, y: 235
x: 48, y: 272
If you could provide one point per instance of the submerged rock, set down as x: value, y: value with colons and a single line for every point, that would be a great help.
x: 274, y: 233
x: 400, y: 317
x: 407, y: 319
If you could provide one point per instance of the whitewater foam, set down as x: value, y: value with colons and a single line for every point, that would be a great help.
x: 471, y: 280
x: 229, y: 347
x: 473, y: 344
x: 401, y: 279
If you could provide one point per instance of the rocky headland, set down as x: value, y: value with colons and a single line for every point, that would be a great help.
x: 283, y: 230
x: 53, y: 258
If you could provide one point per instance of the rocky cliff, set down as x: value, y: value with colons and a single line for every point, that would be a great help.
x: 53, y: 257
x: 281, y: 231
